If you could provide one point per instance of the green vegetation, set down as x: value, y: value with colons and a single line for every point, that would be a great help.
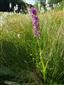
x: 19, y: 51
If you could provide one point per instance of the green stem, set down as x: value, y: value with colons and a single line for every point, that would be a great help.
x: 42, y: 62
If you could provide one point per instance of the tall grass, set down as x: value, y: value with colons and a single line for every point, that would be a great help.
x: 19, y: 51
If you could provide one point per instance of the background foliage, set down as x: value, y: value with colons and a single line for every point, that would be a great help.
x: 19, y: 55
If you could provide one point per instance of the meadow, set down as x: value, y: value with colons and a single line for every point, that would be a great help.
x: 24, y: 60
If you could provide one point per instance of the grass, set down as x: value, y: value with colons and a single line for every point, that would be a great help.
x: 19, y: 51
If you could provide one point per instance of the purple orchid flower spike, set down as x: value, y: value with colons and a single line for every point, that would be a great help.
x: 35, y: 22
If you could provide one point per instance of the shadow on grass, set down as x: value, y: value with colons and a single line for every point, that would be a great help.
x: 16, y: 63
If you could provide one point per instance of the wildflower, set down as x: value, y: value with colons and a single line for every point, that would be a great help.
x: 1, y: 22
x: 18, y: 35
x: 35, y: 22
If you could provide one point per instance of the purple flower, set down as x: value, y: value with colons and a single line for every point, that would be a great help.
x: 35, y: 22
x: 34, y: 11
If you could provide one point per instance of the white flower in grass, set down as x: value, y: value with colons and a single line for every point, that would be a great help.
x: 18, y: 35
x: 1, y: 22
x: 31, y: 54
x: 1, y: 26
x: 25, y: 62
x: 1, y: 19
